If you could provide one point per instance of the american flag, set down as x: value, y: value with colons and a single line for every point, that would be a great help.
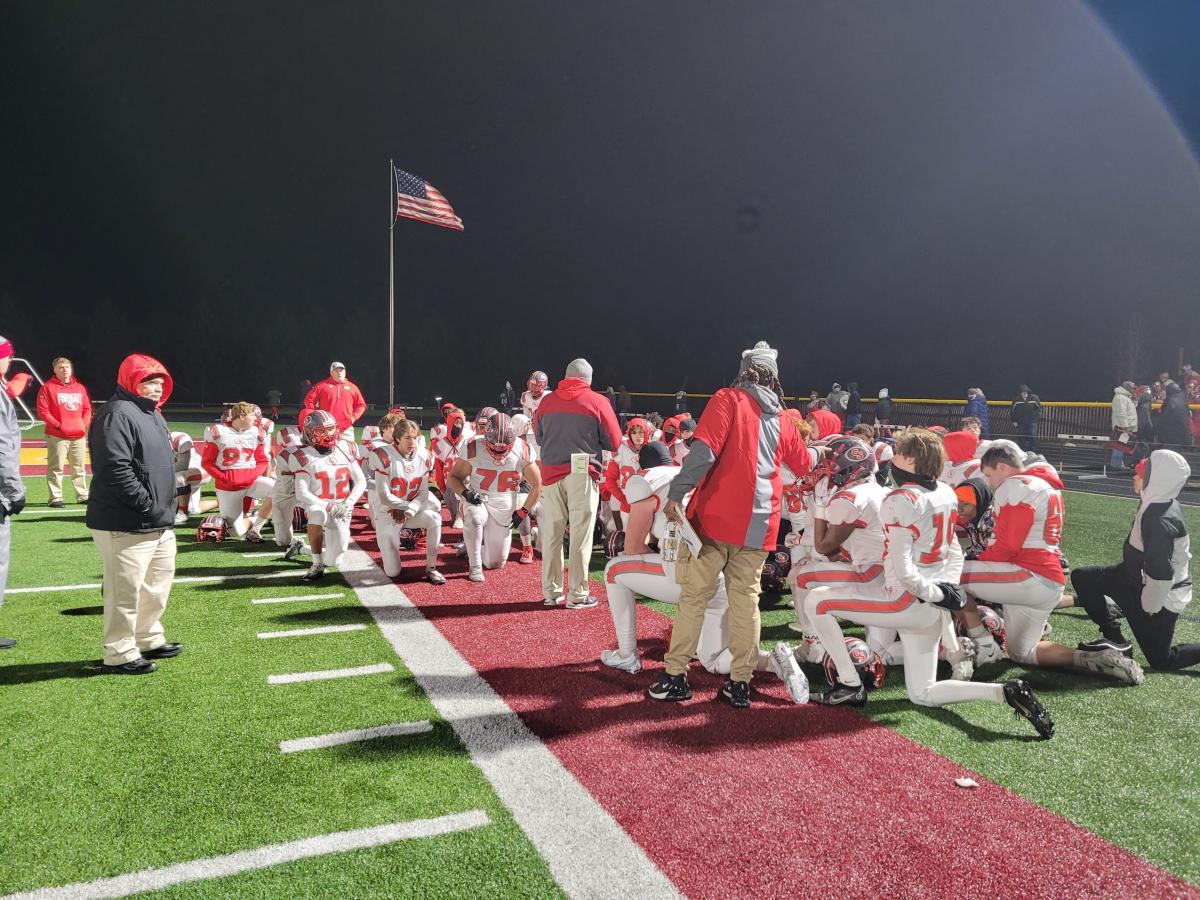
x: 418, y: 199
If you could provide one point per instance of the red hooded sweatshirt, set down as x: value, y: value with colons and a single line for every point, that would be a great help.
x: 960, y: 446
x: 65, y: 408
x: 825, y: 423
x: 574, y: 419
x: 1020, y: 503
x: 137, y: 367
x: 341, y: 398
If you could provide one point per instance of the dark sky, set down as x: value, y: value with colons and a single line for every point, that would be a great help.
x: 926, y: 194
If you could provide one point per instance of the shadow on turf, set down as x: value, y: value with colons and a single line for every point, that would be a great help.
x: 82, y: 611
x: 81, y: 539
x: 28, y: 673
x: 326, y: 615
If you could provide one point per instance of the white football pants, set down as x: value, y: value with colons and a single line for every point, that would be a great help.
x: 921, y: 627
x: 488, y: 541
x: 337, y: 535
x: 821, y: 572
x: 1028, y: 600
x: 387, y: 533
x: 231, y: 505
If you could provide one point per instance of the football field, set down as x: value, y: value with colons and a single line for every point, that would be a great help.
x: 367, y: 739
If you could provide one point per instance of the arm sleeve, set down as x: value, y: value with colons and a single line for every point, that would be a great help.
x: 1158, y: 574
x: 208, y: 460
x: 610, y: 429
x: 358, y: 483
x: 305, y: 498
x: 260, y: 460
x: 716, y: 422
x: 87, y: 410
x: 1012, y: 527
x: 699, y: 460
x: 796, y: 455
x: 311, y: 400
x: 360, y: 405
x: 111, y: 446
x: 43, y: 408
x: 12, y: 488
x: 955, y: 565
x: 612, y: 480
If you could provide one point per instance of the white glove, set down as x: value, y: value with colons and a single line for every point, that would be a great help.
x: 339, y: 510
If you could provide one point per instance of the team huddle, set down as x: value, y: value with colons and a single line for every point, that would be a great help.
x: 945, y: 548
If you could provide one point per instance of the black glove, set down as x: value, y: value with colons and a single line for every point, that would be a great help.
x: 472, y: 496
x: 954, y: 597
x: 17, y: 506
x: 520, y: 516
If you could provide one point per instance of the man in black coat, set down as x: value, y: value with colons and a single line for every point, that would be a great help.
x: 1174, y: 419
x: 130, y: 513
x: 1026, y: 411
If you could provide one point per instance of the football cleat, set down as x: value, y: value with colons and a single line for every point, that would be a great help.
x: 842, y: 695
x: 476, y: 574
x: 736, y: 694
x: 433, y: 576
x: 526, y: 555
x: 1112, y: 663
x: 297, y: 548
x: 670, y: 688
x: 613, y: 658
x: 1020, y: 697
x: 1102, y: 643
x: 181, y: 517
x: 783, y: 663
x: 253, y: 536
x: 315, y: 573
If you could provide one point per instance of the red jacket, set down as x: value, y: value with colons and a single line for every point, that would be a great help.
x: 741, y: 440
x: 574, y: 419
x: 342, y: 399
x: 824, y: 423
x: 65, y: 408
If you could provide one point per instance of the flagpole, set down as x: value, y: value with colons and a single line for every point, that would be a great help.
x: 391, y: 284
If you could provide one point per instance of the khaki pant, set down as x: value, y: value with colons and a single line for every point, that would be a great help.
x: 58, y: 451
x: 138, y: 570
x: 697, y: 576
x: 569, y: 501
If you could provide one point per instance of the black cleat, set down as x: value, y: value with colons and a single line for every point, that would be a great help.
x: 1103, y: 643
x: 7, y: 643
x: 166, y: 651
x: 138, y: 666
x: 842, y: 695
x: 670, y: 687
x: 735, y: 693
x: 1019, y: 696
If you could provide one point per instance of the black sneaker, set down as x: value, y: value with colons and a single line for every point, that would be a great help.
x: 670, y: 687
x: 56, y: 504
x: 166, y: 651
x: 138, y: 666
x: 1019, y: 696
x: 7, y: 643
x: 842, y: 695
x: 1104, y: 643
x: 735, y: 693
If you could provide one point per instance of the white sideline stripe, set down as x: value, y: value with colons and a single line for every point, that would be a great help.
x: 196, y: 579
x: 587, y: 858
x: 327, y: 674
x: 278, y: 553
x: 350, y: 737
x: 301, y: 632
x: 260, y: 858
x: 297, y: 598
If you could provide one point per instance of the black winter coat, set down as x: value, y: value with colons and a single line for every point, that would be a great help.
x: 1174, y: 419
x: 133, y: 467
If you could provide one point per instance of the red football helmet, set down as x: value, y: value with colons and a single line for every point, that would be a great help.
x: 211, y: 528
x: 181, y: 442
x: 320, y: 429
x: 499, y: 436
x: 299, y: 518
x: 537, y: 383
x: 614, y: 544
x: 994, y: 624
x: 850, y: 460
x: 483, y: 420
x: 870, y: 667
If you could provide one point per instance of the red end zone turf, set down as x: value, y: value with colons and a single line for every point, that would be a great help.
x: 776, y: 800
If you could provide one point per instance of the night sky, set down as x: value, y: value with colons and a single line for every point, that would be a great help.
x: 924, y: 195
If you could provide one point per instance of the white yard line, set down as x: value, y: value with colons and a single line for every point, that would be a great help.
x: 304, y: 632
x: 587, y: 852
x: 260, y: 553
x: 260, y: 858
x: 188, y: 580
x: 349, y: 737
x: 327, y: 674
x: 297, y: 598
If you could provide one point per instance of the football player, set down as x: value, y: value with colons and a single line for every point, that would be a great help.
x: 439, y: 430
x: 532, y: 397
x: 624, y: 465
x: 524, y: 429
x: 446, y: 451
x: 373, y: 437
x: 480, y: 425
x: 638, y: 567
x: 921, y: 563
x: 961, y: 463
x: 188, y: 473
x: 681, y: 448
x: 488, y: 478
x: 287, y: 462
x: 236, y: 460
x: 1022, y: 568
x: 328, y: 484
x: 403, y: 498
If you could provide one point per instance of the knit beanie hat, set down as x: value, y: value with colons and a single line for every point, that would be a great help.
x: 761, y: 354
x: 580, y: 368
x: 654, y: 454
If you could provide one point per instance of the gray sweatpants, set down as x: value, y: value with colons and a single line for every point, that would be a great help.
x: 5, y: 546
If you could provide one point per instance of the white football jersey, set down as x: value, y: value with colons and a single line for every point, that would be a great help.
x: 955, y: 474
x: 328, y: 477
x: 679, y: 451
x: 403, y: 477
x: 654, y: 483
x: 288, y: 436
x: 530, y: 403
x: 236, y: 449
x: 628, y: 465
x: 921, y: 522
x: 186, y: 456
x: 500, y: 481
x: 286, y: 462
x: 1046, y: 502
x: 266, y: 428
x: 859, y: 504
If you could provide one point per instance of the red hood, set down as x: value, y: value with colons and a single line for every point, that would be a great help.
x: 571, y: 388
x: 826, y: 423
x: 451, y: 419
x: 646, y: 430
x: 674, y: 420
x: 960, y: 446
x: 1047, y: 474
x: 137, y: 367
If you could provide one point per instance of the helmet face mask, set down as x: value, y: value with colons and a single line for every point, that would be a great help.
x: 538, y: 381
x: 500, y: 436
x: 320, y: 430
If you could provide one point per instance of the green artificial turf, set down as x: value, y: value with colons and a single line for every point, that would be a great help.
x: 1124, y: 761
x: 105, y: 775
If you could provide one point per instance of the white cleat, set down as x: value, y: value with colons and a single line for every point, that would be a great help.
x: 297, y: 548
x: 613, y: 658
x: 987, y: 651
x: 476, y: 574
x: 783, y: 663
x: 1112, y: 663
x: 457, y: 523
x: 181, y: 517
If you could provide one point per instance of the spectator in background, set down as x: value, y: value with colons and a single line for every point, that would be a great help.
x: 853, y: 406
x: 131, y: 513
x: 680, y: 402
x: 837, y: 400
x: 305, y: 387
x: 274, y: 398
x: 574, y: 425
x: 1158, y: 392
x: 1124, y: 426
x: 1174, y: 420
x: 612, y: 400
x: 339, y: 396
x: 1026, y: 411
x: 1145, y: 421
x: 12, y: 489
x: 65, y: 408
x: 883, y: 409
x: 624, y: 402
x: 971, y: 424
x: 977, y: 407
x: 1189, y: 380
